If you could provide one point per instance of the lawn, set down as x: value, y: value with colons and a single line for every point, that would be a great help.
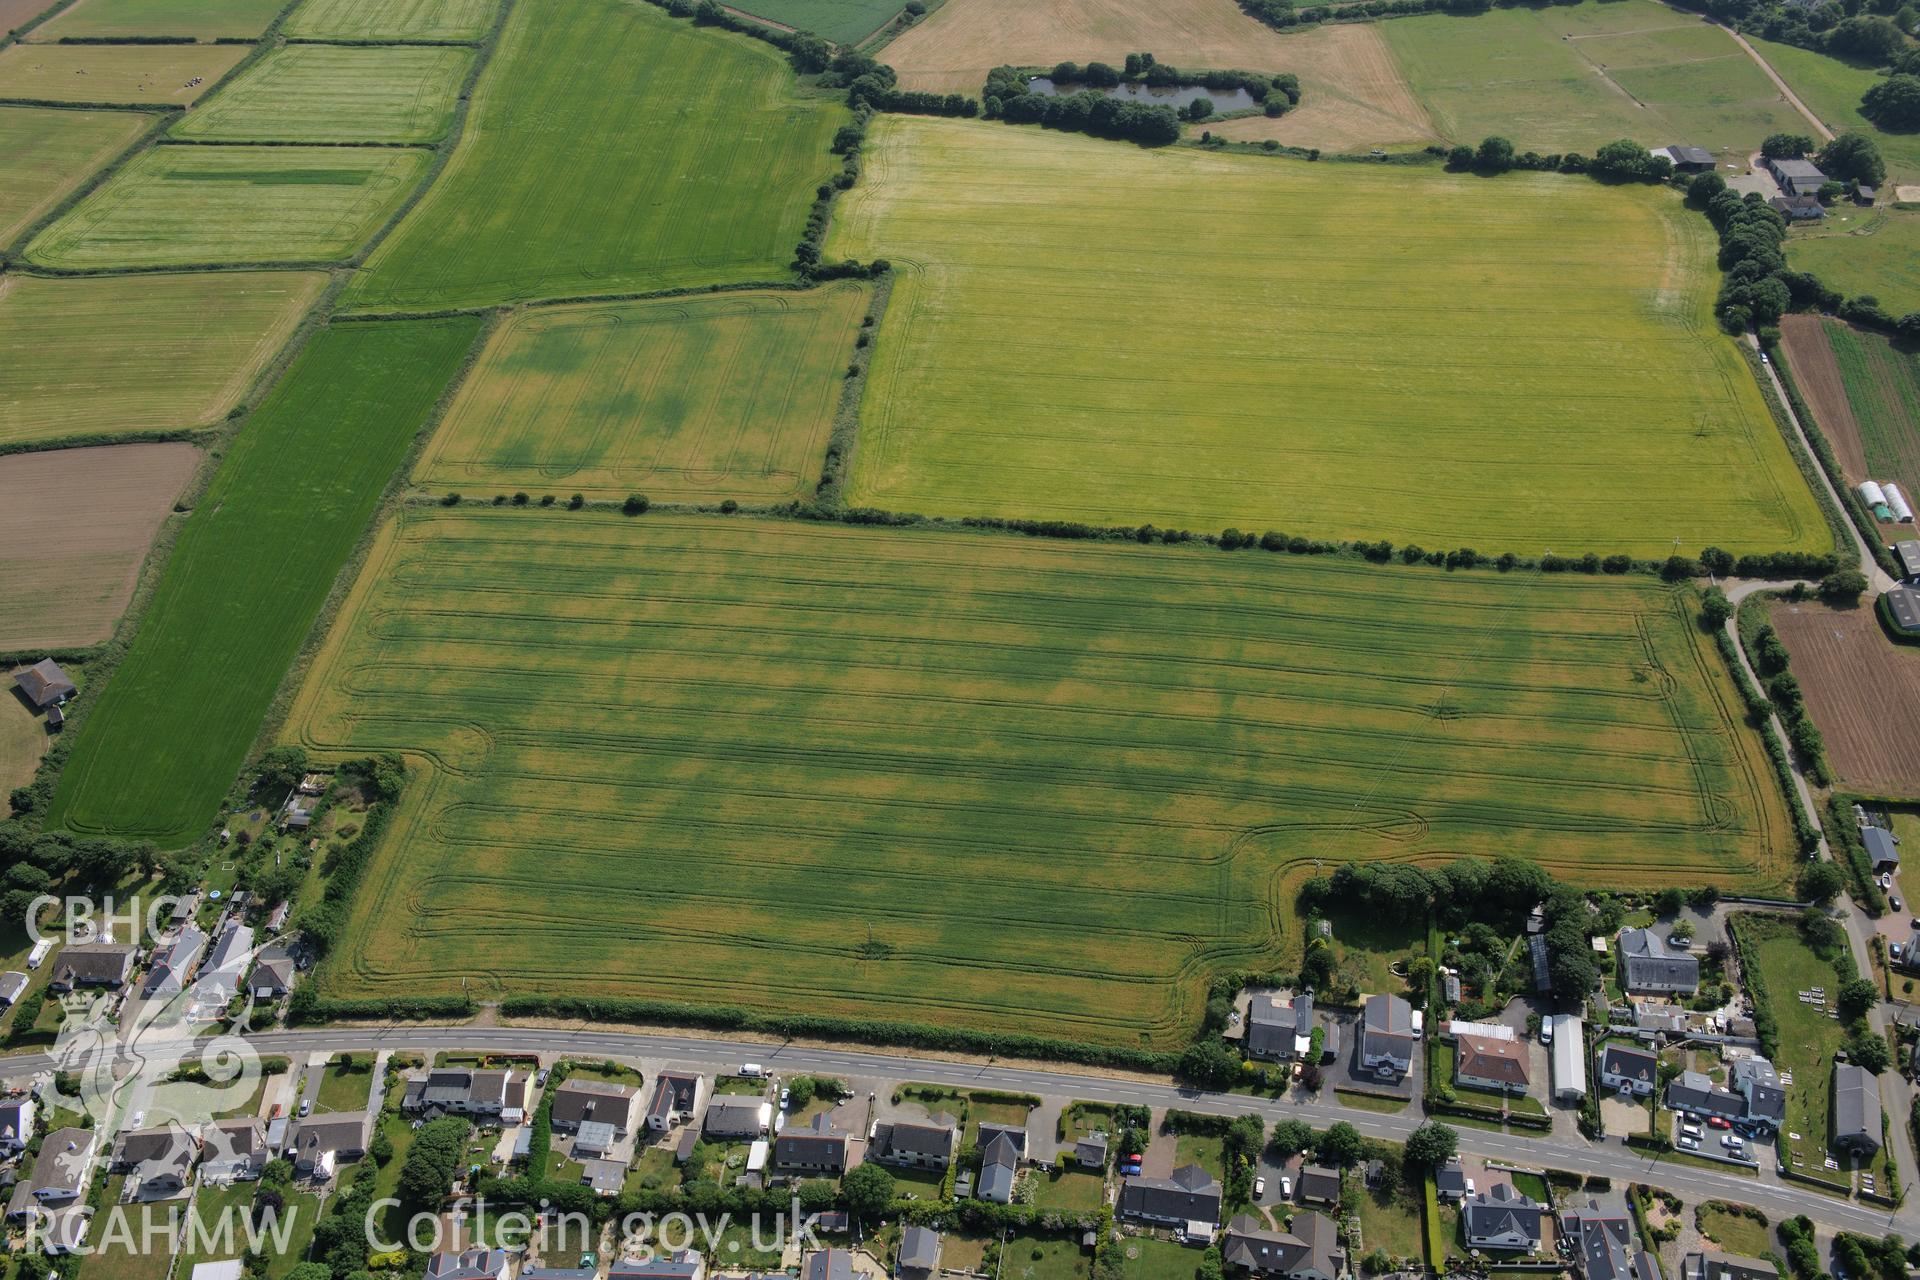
x: 344, y: 1087
x: 733, y: 1249
x: 1151, y: 1259
x: 1572, y: 77
x: 841, y: 21
x: 23, y: 741
x: 612, y: 148
x: 222, y: 1227
x: 684, y: 399
x: 391, y: 19
x: 110, y: 355
x: 1076, y: 1190
x: 180, y: 206
x: 1734, y: 1232
x: 1345, y: 383
x: 1367, y: 945
x: 142, y: 74
x: 128, y: 1245
x: 248, y: 576
x: 654, y: 1171
x: 1200, y: 1149
x: 852, y: 744
x: 1050, y: 1258
x: 1390, y: 1220
x: 202, y: 19
x: 1882, y: 259
x: 50, y: 152
x: 979, y: 1113
x: 334, y: 93
x: 1832, y: 89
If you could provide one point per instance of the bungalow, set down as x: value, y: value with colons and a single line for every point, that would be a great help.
x: 44, y: 684
x: 815, y: 1148
x: 1856, y: 1110
x: 676, y: 1096
x: 1318, y: 1184
x: 322, y: 1143
x: 1648, y: 966
x: 175, y: 964
x: 1603, y: 1243
x: 226, y: 965
x: 1386, y: 1037
x: 1091, y: 1151
x: 1712, y: 1265
x: 578, y: 1102
x: 1502, y: 1219
x: 92, y: 964
x: 469, y: 1264
x: 1695, y: 1094
x: 273, y: 976
x: 233, y: 1151
x: 919, y: 1257
x: 1190, y: 1199
x: 1481, y: 1062
x: 915, y: 1145
x: 65, y: 1166
x: 156, y: 1162
x: 825, y: 1264
x: 16, y: 1125
x: 999, y: 1164
x: 1279, y: 1031
x: 735, y: 1117
x: 1309, y: 1251
x: 1628, y: 1068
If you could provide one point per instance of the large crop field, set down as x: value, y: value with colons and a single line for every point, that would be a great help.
x: 50, y: 152
x: 127, y: 354
x: 841, y: 21
x: 612, y: 148
x: 688, y: 400
x: 202, y: 19
x: 1865, y: 395
x: 1861, y: 690
x: 189, y: 206
x: 331, y: 93
x: 134, y: 74
x: 1571, y: 77
x: 392, y: 19
x: 248, y: 576
x: 978, y: 779
x: 1113, y: 335
x: 75, y: 525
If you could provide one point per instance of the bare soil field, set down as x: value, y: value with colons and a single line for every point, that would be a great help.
x: 14, y: 13
x: 1811, y: 360
x: 1353, y: 95
x: 1863, y: 691
x: 75, y: 525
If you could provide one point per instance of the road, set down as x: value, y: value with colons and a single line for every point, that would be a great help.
x: 1694, y: 1183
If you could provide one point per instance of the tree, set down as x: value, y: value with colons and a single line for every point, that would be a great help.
x: 800, y: 1091
x: 1868, y: 1048
x: 1853, y: 157
x: 1856, y: 996
x: 432, y: 1162
x: 1843, y: 586
x: 1669, y: 901
x: 1495, y: 154
x: 1715, y: 608
x: 1704, y: 187
x: 636, y: 504
x: 1289, y: 1138
x: 281, y: 767
x: 816, y: 1195
x: 1786, y: 146
x: 1200, y: 108
x: 1340, y: 1146
x: 868, y: 1190
x: 1820, y: 883
x: 1871, y: 39
x: 1893, y: 104
x: 310, y: 1271
x: 1431, y: 1145
x: 1210, y: 1064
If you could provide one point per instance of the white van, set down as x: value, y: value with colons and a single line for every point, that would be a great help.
x: 752, y: 1070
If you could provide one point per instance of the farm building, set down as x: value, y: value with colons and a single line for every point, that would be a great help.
x: 1883, y: 849
x: 1906, y: 553
x: 44, y: 684
x: 1799, y: 208
x: 1688, y: 159
x: 1901, y: 609
x: 1569, y: 1057
x: 1797, y: 177
x: 1897, y: 503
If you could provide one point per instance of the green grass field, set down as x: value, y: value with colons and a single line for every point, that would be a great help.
x: 202, y: 19
x: 330, y: 93
x: 1571, y: 77
x: 1883, y: 387
x: 117, y: 354
x: 1832, y: 89
x: 50, y: 152
x: 724, y: 759
x: 392, y: 19
x: 189, y: 206
x: 689, y: 399
x: 284, y: 1242
x: 841, y: 21
x: 248, y: 576
x: 133, y: 74
x: 1882, y: 260
x: 612, y: 148
x: 1734, y: 1232
x: 1115, y: 335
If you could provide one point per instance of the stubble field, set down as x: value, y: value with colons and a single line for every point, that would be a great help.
x: 247, y: 578
x: 50, y: 152
x: 611, y: 148
x: 134, y: 74
x: 685, y: 400
x: 130, y: 354
x: 392, y: 19
x: 331, y: 93
x: 75, y: 525
x: 977, y: 779
x: 1353, y: 94
x: 1862, y: 690
x: 192, y: 206
x: 1105, y: 334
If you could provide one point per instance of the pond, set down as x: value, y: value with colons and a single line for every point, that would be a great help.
x: 1175, y: 96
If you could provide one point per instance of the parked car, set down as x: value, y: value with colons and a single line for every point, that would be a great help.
x: 786, y: 1096
x: 1718, y: 1122
x: 1689, y: 1128
x: 1691, y: 1144
x: 1286, y: 1188
x: 1893, y: 900
x: 306, y: 1107
x: 1893, y: 949
x: 1259, y: 1187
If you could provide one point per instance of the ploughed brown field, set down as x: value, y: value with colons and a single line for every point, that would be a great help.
x: 1814, y: 367
x: 1863, y: 691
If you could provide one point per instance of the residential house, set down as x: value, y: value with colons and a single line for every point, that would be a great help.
x: 44, y: 684
x: 233, y: 1151
x: 919, y: 1257
x: 469, y: 1264
x: 1091, y: 1151
x: 731, y: 1118
x: 1190, y: 1199
x: 577, y: 1102
x: 1481, y: 1062
x: 92, y: 964
x: 13, y: 985
x: 64, y: 1167
x: 1450, y: 1180
x: 1797, y: 177
x: 174, y: 964
x: 65, y: 1229
x: 485, y: 1094
x: 1713, y: 1265
x: 320, y: 1144
x: 1500, y: 1218
x: 273, y: 975
x: 1627, y: 1068
x: 1280, y: 1030
x: 1310, y: 1250
x: 1648, y: 966
x: 1386, y: 1037
x: 1318, y: 1184
x: 999, y: 1165
x: 16, y: 1125
x: 156, y: 1161
x: 1695, y: 1094
x: 826, y: 1264
x: 1017, y: 1134
x: 1856, y: 1110
x: 814, y: 1148
x: 915, y: 1145
x: 1798, y: 208
x: 684, y: 1265
x: 1758, y: 1085
x: 1603, y: 1244
x: 676, y: 1097
x: 604, y: 1177
x: 220, y: 977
